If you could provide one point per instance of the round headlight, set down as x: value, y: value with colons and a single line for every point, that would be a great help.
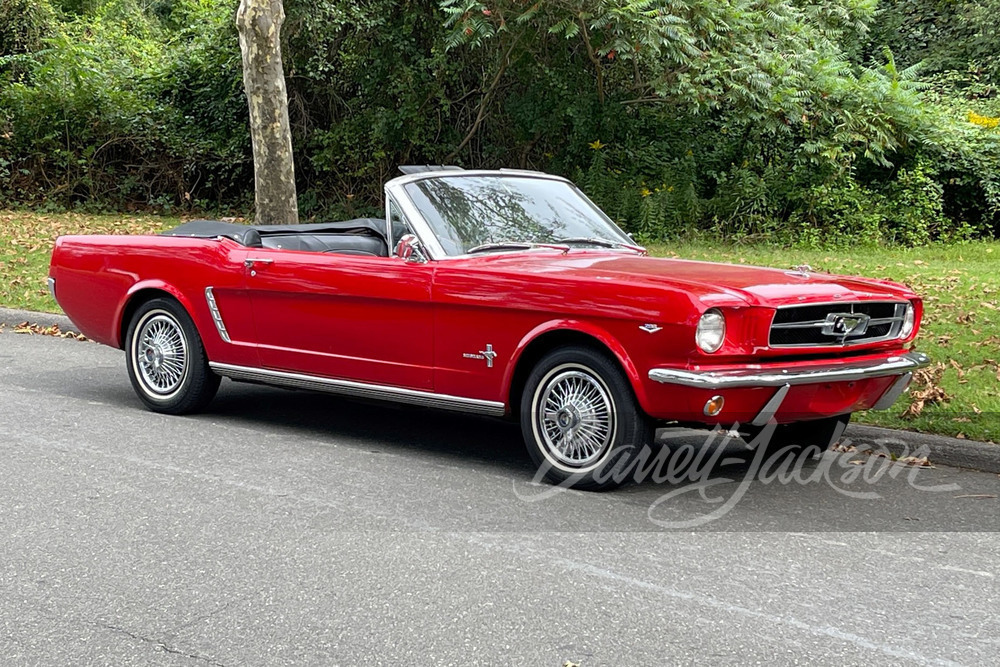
x: 909, y: 320
x: 711, y: 331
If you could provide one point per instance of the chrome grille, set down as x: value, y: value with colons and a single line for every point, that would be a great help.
x: 836, y: 324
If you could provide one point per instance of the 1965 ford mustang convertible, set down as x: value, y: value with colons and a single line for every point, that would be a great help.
x: 504, y: 293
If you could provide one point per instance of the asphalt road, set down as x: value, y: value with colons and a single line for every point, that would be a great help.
x: 291, y: 528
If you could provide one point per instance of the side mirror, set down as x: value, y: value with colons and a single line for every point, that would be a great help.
x: 409, y: 249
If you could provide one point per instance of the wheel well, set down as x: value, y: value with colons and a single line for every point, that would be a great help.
x: 134, y: 303
x: 541, y: 346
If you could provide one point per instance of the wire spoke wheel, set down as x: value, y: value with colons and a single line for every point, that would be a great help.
x: 575, y: 416
x: 166, y: 359
x: 161, y: 354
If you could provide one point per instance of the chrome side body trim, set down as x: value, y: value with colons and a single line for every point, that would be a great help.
x: 216, y: 315
x: 359, y: 389
x: 843, y: 371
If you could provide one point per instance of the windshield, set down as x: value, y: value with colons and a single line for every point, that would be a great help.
x: 471, y: 213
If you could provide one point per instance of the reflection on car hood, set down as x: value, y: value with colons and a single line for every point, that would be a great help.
x: 711, y: 282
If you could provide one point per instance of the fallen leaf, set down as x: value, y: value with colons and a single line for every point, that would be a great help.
x: 915, y: 461
x: 36, y: 330
x: 926, y: 390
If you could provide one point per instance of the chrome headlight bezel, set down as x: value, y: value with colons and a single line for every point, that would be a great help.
x: 909, y: 321
x: 711, y: 331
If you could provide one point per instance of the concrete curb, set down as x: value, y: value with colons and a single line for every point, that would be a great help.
x: 12, y: 318
x: 939, y: 449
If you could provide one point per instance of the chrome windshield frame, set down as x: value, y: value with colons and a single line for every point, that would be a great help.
x: 396, y: 189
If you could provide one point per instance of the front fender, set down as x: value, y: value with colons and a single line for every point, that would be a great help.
x: 588, y: 329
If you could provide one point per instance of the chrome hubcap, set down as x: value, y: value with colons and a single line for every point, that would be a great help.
x: 575, y: 417
x: 161, y: 354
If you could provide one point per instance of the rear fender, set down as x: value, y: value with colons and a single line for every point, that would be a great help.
x: 134, y: 291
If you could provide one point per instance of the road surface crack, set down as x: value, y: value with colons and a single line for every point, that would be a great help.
x: 163, y: 646
x: 203, y: 617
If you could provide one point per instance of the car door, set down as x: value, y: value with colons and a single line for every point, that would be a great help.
x: 233, y: 339
x: 360, y: 318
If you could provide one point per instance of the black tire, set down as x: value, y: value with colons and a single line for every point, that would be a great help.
x: 169, y: 371
x: 818, y: 434
x: 603, y: 424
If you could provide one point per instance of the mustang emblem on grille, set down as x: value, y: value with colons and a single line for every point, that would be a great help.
x: 846, y: 324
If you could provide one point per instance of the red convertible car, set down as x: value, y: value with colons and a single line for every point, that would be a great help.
x: 504, y: 293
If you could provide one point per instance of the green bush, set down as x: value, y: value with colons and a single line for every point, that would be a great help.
x: 114, y: 112
x: 23, y: 25
x: 788, y: 122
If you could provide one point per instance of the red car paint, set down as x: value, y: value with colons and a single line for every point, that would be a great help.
x: 388, y: 322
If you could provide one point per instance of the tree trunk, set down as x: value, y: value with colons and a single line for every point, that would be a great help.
x: 259, y: 24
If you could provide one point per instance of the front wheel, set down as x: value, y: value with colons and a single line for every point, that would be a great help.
x: 580, y: 420
x: 166, y: 361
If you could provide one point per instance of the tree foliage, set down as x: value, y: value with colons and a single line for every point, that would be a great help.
x: 793, y: 120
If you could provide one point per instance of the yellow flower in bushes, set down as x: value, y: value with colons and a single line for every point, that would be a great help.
x: 988, y: 122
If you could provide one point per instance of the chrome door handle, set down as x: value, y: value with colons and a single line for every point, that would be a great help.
x: 250, y: 261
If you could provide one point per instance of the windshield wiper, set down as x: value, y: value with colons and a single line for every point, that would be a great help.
x: 514, y: 245
x: 603, y: 243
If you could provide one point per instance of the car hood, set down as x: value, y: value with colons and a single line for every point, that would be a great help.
x: 715, y: 284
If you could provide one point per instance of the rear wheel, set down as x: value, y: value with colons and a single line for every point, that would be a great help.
x: 580, y: 420
x: 166, y: 361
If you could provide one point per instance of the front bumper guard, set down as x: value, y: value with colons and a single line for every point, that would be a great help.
x: 902, y: 365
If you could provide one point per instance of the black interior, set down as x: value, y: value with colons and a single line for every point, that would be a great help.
x: 362, y: 236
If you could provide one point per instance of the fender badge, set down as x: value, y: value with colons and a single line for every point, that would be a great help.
x: 488, y: 354
x: 650, y: 328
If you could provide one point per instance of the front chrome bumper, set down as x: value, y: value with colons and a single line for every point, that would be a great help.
x: 902, y: 366
x: 844, y: 371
